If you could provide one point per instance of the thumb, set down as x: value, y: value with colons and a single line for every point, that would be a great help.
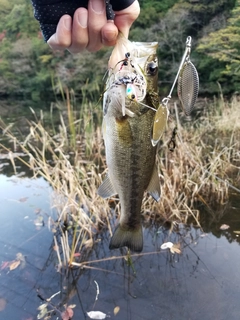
x: 125, y: 18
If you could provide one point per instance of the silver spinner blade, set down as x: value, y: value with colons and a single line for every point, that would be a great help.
x: 188, y: 86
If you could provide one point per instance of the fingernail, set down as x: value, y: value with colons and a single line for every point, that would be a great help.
x: 68, y: 23
x: 82, y: 19
x: 98, y: 6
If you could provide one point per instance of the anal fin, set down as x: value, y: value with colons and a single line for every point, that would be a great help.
x: 154, y: 188
x: 106, y: 189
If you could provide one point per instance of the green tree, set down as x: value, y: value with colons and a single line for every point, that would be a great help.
x: 20, y: 21
x: 152, y: 11
x: 201, y: 12
x: 27, y: 64
x: 223, y: 46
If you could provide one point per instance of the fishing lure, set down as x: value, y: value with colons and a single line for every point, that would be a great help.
x: 159, y: 124
x: 188, y: 86
x: 131, y: 92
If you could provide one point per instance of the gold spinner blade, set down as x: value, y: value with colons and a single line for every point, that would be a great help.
x: 159, y: 124
x: 188, y: 86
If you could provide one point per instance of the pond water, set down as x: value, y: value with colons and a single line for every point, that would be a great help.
x: 203, y: 282
x: 200, y: 282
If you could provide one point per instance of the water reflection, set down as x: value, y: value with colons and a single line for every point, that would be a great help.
x: 194, y: 285
x: 17, y: 115
x: 22, y: 202
x: 201, y: 282
x: 226, y: 215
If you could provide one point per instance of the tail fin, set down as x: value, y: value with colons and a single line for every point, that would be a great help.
x: 133, y: 239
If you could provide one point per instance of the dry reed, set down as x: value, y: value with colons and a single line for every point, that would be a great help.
x: 73, y: 162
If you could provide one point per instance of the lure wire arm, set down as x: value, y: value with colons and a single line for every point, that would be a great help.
x: 184, y: 58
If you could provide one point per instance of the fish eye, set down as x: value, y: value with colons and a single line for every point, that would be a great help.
x: 152, y: 68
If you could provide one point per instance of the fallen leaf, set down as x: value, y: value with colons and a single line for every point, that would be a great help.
x: 65, y: 315
x: 20, y: 256
x: 77, y: 254
x: 96, y: 315
x: 4, y: 265
x: 176, y: 248
x: 3, y: 304
x: 224, y: 227
x: 72, y: 306
x: 116, y: 310
x: 70, y: 312
x: 166, y: 245
x: 23, y: 199
x: 88, y: 243
x: 42, y: 313
x: 14, y: 264
x: 42, y: 306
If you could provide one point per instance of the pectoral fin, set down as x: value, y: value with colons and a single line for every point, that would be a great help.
x: 106, y: 189
x: 129, y: 113
x: 154, y: 186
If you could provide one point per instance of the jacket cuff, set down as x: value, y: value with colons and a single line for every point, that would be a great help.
x: 118, y: 5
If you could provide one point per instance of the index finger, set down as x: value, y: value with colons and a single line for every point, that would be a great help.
x: 96, y: 20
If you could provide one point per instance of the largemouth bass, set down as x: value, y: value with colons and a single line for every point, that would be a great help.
x: 129, y: 106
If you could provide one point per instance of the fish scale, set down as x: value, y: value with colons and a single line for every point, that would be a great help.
x: 139, y: 169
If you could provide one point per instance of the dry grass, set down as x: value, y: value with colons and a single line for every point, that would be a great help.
x: 73, y: 172
x: 191, y: 175
x: 228, y: 116
x: 72, y: 161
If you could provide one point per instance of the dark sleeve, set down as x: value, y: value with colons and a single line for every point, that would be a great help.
x: 49, y: 12
x: 120, y: 4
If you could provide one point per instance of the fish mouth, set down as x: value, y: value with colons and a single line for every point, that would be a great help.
x: 127, y: 81
x: 131, y: 56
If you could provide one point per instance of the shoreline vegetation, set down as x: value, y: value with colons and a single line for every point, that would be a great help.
x: 28, y: 67
x: 197, y: 175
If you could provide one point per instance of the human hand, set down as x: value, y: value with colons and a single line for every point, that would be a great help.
x: 89, y: 28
